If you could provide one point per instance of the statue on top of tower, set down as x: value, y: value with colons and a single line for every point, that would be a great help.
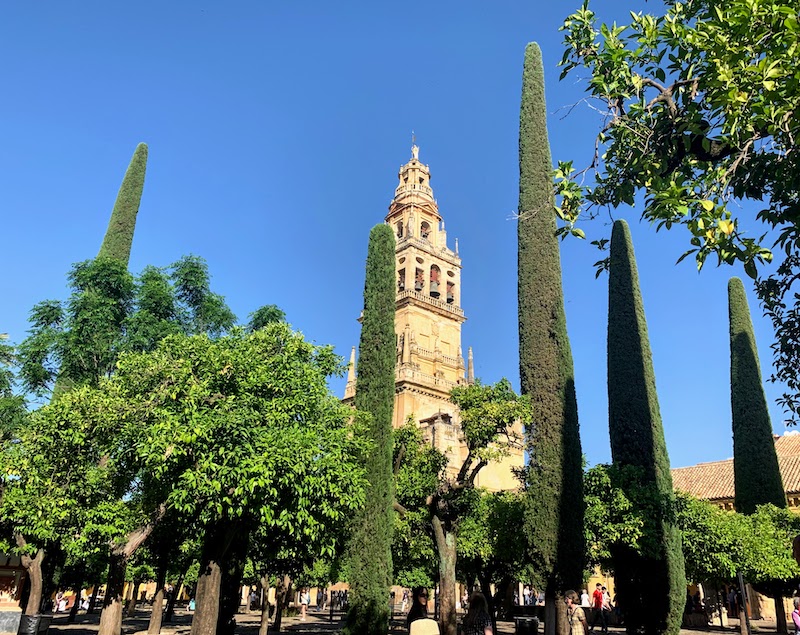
x: 414, y: 151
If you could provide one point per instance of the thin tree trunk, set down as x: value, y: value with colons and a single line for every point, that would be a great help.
x: 111, y: 615
x: 170, y: 612
x: 34, y: 568
x: 154, y: 627
x: 281, y: 595
x: 93, y: 599
x: 550, y: 613
x: 130, y: 610
x: 75, y: 606
x: 263, y: 627
x: 446, y: 546
x: 780, y: 614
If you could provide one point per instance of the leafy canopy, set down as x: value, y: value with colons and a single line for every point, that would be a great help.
x: 700, y: 112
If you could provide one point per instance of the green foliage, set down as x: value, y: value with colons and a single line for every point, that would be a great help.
x: 119, y: 235
x: 421, y: 466
x: 110, y: 312
x: 12, y: 405
x: 264, y: 315
x: 486, y: 548
x: 613, y: 516
x: 56, y: 486
x: 370, y: 556
x: 554, y: 521
x: 651, y: 586
x: 757, y: 477
x: 702, y: 105
x: 714, y: 545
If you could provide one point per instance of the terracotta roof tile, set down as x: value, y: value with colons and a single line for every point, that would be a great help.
x: 714, y: 481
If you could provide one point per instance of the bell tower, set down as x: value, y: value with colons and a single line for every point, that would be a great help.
x: 428, y: 320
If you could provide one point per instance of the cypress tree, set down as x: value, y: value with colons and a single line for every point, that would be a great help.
x: 651, y: 584
x: 554, y: 477
x: 119, y: 235
x: 756, y: 476
x: 370, y: 556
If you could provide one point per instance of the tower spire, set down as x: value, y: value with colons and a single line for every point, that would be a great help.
x: 350, y: 387
x: 470, y: 367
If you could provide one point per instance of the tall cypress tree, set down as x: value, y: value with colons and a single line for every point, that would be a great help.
x: 651, y: 584
x: 757, y: 479
x: 370, y: 556
x: 756, y: 475
x: 554, y: 477
x: 119, y: 235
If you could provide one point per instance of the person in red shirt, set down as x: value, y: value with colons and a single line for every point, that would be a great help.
x: 598, y: 612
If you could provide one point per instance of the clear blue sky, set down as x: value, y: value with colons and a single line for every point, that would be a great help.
x: 276, y: 130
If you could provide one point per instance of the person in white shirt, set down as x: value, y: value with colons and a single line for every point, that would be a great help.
x: 585, y: 599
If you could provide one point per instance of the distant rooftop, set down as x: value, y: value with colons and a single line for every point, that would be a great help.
x: 714, y: 481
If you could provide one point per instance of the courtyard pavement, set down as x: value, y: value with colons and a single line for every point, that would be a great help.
x: 316, y: 624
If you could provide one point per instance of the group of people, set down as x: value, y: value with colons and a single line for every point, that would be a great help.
x: 477, y: 620
x: 600, y: 601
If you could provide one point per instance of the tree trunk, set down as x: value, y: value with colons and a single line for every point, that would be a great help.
x: 170, y: 612
x: 75, y: 606
x: 555, y: 613
x: 230, y: 586
x: 263, y: 627
x: 281, y: 594
x: 130, y: 610
x: 111, y: 616
x: 154, y: 627
x: 780, y: 614
x: 34, y: 568
x: 93, y: 599
x: 446, y: 547
x: 216, y: 544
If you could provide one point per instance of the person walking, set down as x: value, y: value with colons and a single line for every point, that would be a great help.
x: 576, y: 618
x: 796, y: 615
x: 305, y: 600
x: 597, y: 610
x: 478, y: 621
x: 585, y: 604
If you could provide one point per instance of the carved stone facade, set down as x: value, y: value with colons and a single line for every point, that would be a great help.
x: 428, y: 321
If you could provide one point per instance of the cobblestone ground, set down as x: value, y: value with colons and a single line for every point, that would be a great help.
x: 316, y: 624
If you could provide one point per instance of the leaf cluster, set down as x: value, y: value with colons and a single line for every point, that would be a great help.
x: 700, y: 111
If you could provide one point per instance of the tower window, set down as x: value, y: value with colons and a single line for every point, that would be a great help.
x: 434, y: 288
x: 451, y: 292
x: 419, y: 280
x: 424, y: 229
x: 401, y: 280
x: 399, y: 229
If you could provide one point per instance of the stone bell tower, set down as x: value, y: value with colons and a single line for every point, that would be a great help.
x: 428, y: 323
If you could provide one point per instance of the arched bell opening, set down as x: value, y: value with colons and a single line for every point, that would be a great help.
x: 424, y: 230
x: 434, y: 281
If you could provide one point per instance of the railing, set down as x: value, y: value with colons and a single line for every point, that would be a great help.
x: 410, y: 293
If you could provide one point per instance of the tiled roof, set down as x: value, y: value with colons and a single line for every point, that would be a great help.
x: 714, y: 481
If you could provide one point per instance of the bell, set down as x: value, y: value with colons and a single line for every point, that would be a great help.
x: 418, y: 286
x: 434, y: 289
